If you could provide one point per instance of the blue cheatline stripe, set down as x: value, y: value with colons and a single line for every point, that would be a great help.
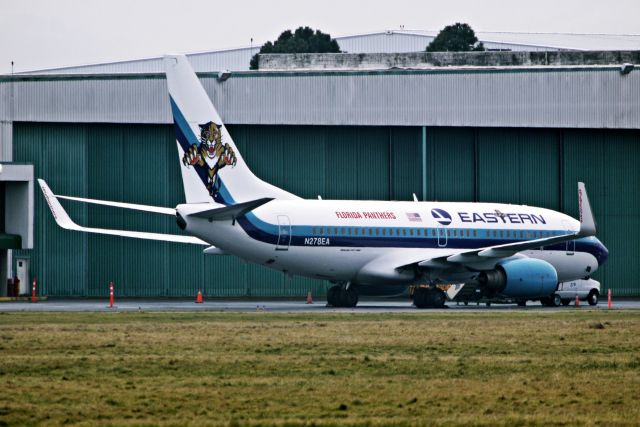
x: 268, y: 233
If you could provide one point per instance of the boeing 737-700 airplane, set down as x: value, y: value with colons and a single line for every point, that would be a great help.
x: 519, y: 252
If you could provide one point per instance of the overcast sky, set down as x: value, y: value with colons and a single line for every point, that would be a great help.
x: 46, y: 33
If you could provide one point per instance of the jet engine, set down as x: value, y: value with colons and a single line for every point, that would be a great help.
x: 520, y: 278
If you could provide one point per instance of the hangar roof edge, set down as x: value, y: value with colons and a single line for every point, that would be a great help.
x: 315, y: 72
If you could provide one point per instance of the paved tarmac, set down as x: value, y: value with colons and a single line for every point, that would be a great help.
x: 283, y: 306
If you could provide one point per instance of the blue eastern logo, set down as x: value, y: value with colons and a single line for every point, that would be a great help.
x: 441, y: 216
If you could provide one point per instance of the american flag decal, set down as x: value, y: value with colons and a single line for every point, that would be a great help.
x: 414, y: 217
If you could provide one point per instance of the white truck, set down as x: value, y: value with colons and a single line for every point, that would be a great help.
x: 585, y: 289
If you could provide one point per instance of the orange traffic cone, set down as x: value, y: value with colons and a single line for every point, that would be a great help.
x: 110, y: 294
x: 309, y: 298
x: 33, y: 291
x: 199, y: 298
x: 577, y: 301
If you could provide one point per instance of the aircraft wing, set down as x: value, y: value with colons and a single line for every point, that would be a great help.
x: 499, y: 251
x: 64, y: 221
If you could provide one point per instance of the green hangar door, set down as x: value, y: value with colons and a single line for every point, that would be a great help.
x: 139, y: 164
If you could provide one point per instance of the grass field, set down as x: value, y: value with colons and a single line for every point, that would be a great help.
x: 518, y: 368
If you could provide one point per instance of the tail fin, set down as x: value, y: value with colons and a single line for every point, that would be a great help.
x: 212, y: 167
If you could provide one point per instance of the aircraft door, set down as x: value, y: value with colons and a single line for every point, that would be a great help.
x: 442, y: 237
x: 570, y: 246
x: 284, y: 233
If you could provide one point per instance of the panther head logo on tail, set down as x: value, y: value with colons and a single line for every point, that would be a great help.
x: 210, y: 154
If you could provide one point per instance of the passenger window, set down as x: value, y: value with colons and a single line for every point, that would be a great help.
x: 384, y: 231
x: 322, y: 231
x: 313, y: 230
x: 433, y: 232
x: 404, y: 231
x: 343, y: 232
x: 411, y: 231
x: 475, y: 233
x: 377, y: 231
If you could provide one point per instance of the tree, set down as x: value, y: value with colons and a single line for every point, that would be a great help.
x: 455, y: 38
x: 303, y: 40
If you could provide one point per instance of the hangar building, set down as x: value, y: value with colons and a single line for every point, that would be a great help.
x: 502, y: 126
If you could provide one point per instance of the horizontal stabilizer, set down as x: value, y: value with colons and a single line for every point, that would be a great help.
x: 232, y: 211
x: 145, y: 208
x: 64, y: 221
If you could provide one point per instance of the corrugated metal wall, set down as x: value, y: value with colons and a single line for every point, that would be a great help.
x: 138, y: 163
x: 587, y: 97
x: 607, y: 161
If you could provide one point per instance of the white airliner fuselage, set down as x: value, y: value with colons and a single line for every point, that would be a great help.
x: 336, y: 239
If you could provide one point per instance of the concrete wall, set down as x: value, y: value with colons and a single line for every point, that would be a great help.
x: 443, y: 59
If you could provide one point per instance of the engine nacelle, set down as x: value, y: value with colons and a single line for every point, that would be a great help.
x: 521, y: 278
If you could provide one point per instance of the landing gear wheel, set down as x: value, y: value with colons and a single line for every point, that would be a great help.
x: 420, y: 298
x: 546, y: 301
x: 555, y: 300
x: 429, y: 298
x: 522, y: 303
x: 566, y: 302
x: 592, y: 299
x: 436, y: 297
x: 348, y: 297
x: 333, y: 296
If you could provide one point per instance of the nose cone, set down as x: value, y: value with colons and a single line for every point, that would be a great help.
x: 602, y: 253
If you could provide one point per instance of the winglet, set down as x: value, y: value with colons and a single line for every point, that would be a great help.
x: 587, y: 223
x: 59, y: 214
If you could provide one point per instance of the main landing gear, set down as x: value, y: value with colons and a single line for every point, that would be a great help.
x: 345, y: 295
x: 431, y: 297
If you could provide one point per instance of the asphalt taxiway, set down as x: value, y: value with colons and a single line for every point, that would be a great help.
x: 319, y: 306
